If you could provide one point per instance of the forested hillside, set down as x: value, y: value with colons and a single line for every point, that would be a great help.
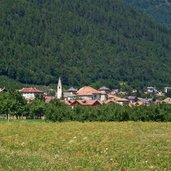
x: 84, y: 42
x: 159, y: 9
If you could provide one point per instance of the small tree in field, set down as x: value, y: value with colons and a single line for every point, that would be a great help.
x: 12, y: 103
x: 37, y: 108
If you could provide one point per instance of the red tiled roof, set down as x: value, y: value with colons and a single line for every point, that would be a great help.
x: 81, y: 102
x: 167, y: 100
x: 110, y: 96
x: 88, y: 102
x: 110, y: 101
x: 69, y: 102
x: 87, y: 91
x: 49, y: 98
x: 30, y: 90
x: 116, y: 98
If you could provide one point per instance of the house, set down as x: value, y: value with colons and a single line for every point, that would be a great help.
x: 72, y: 90
x: 132, y: 99
x: 160, y: 94
x: 88, y: 93
x: 118, y: 100
x: 90, y: 103
x: 167, y: 89
x: 134, y: 91
x: 123, y: 101
x: 49, y: 98
x: 138, y: 103
x: 167, y: 100
x: 110, y: 101
x: 151, y: 90
x: 104, y: 96
x: 70, y: 94
x: 31, y: 93
x: 111, y: 96
x: 105, y: 89
x: 145, y: 101
x: 114, y: 91
x: 70, y: 103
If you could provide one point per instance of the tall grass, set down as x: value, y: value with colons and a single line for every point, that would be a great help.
x: 85, y: 146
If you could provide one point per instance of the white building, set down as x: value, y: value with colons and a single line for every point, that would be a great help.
x: 31, y: 93
x: 70, y: 93
x: 167, y: 89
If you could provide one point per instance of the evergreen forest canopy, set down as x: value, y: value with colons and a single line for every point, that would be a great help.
x: 84, y: 42
x: 159, y: 9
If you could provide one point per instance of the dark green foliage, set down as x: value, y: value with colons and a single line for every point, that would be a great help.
x: 10, y: 83
x: 12, y: 103
x: 159, y: 9
x: 84, y: 42
x: 157, y: 113
x: 37, y: 109
x: 57, y: 111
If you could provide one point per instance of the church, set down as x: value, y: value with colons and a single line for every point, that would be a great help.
x: 84, y: 93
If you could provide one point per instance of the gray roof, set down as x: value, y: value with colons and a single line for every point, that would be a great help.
x: 72, y: 89
x: 104, y: 88
x: 68, y: 94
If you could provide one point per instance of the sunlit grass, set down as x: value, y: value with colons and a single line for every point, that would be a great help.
x: 85, y: 146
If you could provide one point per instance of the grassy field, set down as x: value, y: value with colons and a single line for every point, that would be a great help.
x: 85, y: 146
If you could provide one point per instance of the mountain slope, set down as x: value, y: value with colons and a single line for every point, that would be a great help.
x: 159, y: 9
x: 93, y: 41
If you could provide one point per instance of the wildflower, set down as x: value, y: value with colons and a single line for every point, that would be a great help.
x: 151, y: 167
x: 22, y: 144
x: 71, y: 141
x: 84, y: 138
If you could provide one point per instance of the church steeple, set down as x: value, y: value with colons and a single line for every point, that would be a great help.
x: 59, y: 89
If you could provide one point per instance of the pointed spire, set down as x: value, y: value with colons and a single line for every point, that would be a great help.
x: 59, y: 89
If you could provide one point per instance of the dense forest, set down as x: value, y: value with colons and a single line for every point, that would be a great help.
x: 160, y: 10
x: 84, y: 42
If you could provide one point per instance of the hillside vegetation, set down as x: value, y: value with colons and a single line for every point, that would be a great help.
x: 9, y: 83
x: 159, y: 9
x: 84, y: 42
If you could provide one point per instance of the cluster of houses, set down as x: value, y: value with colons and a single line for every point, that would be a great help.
x: 88, y: 96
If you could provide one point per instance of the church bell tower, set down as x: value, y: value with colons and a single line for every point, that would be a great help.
x: 59, y: 89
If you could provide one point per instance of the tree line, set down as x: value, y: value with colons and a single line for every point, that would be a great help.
x: 12, y: 103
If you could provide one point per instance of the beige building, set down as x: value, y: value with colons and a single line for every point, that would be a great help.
x: 89, y: 93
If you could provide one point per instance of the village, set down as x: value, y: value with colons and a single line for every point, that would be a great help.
x: 89, y: 96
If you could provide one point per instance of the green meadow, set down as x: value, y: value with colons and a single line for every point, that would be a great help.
x: 95, y: 146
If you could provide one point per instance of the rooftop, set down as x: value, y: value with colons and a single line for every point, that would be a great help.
x: 104, y: 88
x: 49, y: 98
x: 72, y: 89
x: 87, y: 91
x: 30, y: 90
